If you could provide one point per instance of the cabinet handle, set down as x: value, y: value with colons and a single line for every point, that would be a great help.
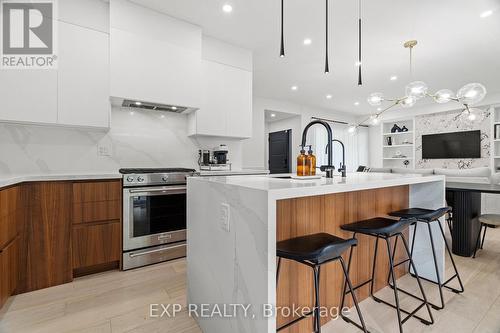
x: 138, y: 254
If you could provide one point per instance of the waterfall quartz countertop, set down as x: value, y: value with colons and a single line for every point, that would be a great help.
x: 9, y: 180
x: 233, y: 224
x: 280, y: 187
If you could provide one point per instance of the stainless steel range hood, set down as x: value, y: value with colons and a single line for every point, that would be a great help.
x: 155, y: 106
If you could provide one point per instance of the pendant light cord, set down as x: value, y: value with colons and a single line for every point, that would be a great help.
x: 282, y: 48
x: 327, y: 66
x: 360, y: 80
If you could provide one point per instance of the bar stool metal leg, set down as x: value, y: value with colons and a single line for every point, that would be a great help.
x: 347, y: 283
x: 478, y: 240
x: 454, y: 266
x: 317, y: 319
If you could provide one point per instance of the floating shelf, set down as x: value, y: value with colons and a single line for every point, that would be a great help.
x: 398, y: 133
x: 403, y: 145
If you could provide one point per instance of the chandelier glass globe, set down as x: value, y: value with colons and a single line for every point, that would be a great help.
x: 472, y: 93
x: 417, y: 89
x: 443, y: 96
x: 375, y: 99
x: 408, y: 101
x: 374, y: 119
x: 352, y: 129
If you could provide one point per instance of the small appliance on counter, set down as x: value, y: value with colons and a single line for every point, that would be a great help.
x: 214, y: 160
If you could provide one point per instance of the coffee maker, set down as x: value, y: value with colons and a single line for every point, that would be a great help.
x: 215, y: 160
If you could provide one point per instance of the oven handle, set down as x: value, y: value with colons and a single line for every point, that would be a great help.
x: 180, y: 189
x: 138, y: 254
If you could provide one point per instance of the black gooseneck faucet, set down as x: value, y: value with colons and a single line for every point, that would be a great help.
x: 330, y: 167
x: 342, y: 167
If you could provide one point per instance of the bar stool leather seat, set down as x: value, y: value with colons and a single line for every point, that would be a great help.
x: 422, y: 214
x: 316, y: 248
x: 378, y: 225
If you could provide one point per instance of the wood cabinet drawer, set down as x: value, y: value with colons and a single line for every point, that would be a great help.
x: 97, y: 191
x: 88, y: 212
x: 10, y: 214
x: 96, y: 244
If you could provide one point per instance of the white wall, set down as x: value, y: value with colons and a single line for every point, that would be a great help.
x: 143, y: 139
x: 254, y: 149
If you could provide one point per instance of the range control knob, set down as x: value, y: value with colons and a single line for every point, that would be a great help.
x: 164, y: 178
x: 130, y: 179
x: 140, y: 179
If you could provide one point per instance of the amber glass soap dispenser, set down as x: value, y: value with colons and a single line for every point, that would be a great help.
x: 311, y: 162
x: 302, y: 167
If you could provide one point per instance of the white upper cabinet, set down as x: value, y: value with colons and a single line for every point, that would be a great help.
x: 226, y: 92
x: 154, y: 57
x: 77, y: 92
x: 83, y: 77
x: 28, y: 96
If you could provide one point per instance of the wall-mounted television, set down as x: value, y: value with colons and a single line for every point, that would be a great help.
x: 452, y: 145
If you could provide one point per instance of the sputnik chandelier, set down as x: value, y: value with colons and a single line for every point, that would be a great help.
x: 468, y: 95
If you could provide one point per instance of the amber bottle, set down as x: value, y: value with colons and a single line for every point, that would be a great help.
x: 311, y: 162
x: 302, y: 167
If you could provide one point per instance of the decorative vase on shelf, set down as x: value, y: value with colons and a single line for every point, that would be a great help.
x: 404, y: 129
x: 395, y: 128
x: 389, y: 141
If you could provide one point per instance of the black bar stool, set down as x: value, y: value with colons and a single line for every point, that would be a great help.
x: 428, y: 216
x: 314, y: 251
x: 384, y: 228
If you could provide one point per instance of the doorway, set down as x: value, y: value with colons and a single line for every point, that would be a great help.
x: 280, y: 152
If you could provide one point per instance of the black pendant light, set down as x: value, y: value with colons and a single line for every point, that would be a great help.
x: 282, y: 49
x: 360, y: 80
x: 327, y: 67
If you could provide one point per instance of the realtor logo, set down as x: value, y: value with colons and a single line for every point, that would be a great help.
x: 28, y: 30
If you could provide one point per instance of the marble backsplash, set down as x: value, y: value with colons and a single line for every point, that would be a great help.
x: 141, y: 139
x: 452, y: 122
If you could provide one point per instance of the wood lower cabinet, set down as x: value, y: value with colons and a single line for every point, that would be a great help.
x: 53, y: 231
x: 9, y: 270
x: 96, y: 247
x: 45, y: 256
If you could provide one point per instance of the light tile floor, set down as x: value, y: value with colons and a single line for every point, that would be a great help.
x: 119, y: 302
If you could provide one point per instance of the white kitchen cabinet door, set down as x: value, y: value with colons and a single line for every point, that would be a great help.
x: 211, y: 118
x: 239, y: 108
x: 153, y: 70
x: 83, y: 77
x: 227, y: 101
x: 28, y: 96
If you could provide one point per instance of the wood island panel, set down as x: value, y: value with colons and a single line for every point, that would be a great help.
x: 326, y: 213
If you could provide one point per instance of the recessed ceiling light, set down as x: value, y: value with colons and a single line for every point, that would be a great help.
x: 486, y: 13
x: 138, y: 103
x: 307, y: 41
x: 356, y: 103
x: 329, y: 96
x: 162, y: 116
x: 227, y: 8
x: 394, y: 78
x: 131, y: 113
x: 294, y: 88
x: 273, y: 115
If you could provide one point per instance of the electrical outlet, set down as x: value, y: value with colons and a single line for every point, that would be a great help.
x: 104, y: 149
x: 224, y: 217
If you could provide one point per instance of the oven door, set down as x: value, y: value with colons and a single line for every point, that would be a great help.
x: 153, y: 216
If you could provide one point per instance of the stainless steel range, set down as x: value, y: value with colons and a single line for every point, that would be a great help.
x: 154, y: 215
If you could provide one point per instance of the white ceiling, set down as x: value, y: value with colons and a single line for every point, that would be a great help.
x: 456, y: 46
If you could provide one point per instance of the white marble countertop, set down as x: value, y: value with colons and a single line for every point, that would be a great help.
x: 242, y: 172
x: 8, y: 180
x: 282, y: 188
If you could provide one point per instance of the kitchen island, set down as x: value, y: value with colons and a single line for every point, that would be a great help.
x: 234, y: 224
